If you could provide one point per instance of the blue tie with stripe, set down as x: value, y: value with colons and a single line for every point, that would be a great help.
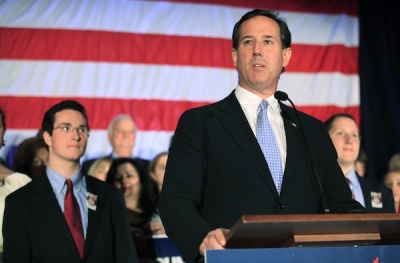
x: 266, y: 139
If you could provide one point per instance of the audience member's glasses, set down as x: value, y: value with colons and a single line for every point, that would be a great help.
x: 67, y: 128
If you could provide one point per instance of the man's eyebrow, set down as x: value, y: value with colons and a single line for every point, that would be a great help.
x: 264, y: 36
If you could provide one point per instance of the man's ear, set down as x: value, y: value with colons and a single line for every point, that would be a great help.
x: 47, y: 138
x: 287, y: 54
x: 234, y: 57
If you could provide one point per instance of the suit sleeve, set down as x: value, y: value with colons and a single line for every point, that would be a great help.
x: 16, y: 244
x: 181, y: 196
x: 124, y: 248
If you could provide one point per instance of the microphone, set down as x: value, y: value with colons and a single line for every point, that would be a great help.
x: 282, y: 96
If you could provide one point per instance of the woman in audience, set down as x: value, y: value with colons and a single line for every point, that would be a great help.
x: 157, y: 170
x: 394, y: 162
x: 127, y: 175
x: 100, y: 168
x: 31, y: 157
x: 9, y: 180
x: 392, y: 180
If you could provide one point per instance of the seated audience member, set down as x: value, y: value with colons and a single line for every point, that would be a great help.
x: 361, y: 163
x: 392, y: 180
x: 31, y: 157
x: 157, y: 170
x: 345, y: 135
x: 127, y: 175
x: 122, y: 137
x: 9, y: 180
x: 100, y: 167
x: 394, y: 162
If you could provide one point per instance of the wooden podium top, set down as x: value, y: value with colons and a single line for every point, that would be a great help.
x: 262, y: 231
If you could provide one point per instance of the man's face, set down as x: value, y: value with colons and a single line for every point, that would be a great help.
x: 122, y: 137
x: 67, y: 145
x: 345, y: 136
x: 260, y: 58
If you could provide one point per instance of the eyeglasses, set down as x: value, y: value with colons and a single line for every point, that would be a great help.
x: 67, y: 128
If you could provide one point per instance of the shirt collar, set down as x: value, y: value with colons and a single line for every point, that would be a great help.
x: 352, y: 177
x: 251, y: 101
x: 57, y: 180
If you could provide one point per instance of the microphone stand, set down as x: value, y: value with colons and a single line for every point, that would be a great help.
x: 282, y: 96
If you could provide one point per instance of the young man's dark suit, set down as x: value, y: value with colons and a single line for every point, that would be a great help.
x: 368, y: 186
x: 41, y: 234
x: 216, y: 172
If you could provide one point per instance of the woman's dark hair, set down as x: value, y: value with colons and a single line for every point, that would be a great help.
x: 144, y: 201
x: 329, y: 122
x: 49, y: 116
x: 25, y: 153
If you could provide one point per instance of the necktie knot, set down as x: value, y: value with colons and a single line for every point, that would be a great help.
x: 69, y: 185
x: 349, y: 183
x: 263, y: 105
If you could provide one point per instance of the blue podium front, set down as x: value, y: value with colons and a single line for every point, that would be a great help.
x: 364, y: 254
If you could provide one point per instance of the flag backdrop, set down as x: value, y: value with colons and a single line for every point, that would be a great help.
x: 155, y: 59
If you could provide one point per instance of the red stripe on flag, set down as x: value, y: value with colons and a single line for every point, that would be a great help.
x: 154, y: 115
x: 119, y: 47
x: 315, y: 6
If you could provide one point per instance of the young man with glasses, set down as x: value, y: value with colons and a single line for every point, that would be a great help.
x: 51, y: 220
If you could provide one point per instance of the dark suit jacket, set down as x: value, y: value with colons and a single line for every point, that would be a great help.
x: 368, y: 186
x: 35, y: 229
x: 216, y: 173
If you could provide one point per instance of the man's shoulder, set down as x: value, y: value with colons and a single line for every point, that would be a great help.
x: 374, y: 185
x: 96, y: 186
x: 27, y: 191
x: 306, y: 119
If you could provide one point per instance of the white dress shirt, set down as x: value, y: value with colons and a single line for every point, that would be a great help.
x: 250, y: 103
x: 356, y: 187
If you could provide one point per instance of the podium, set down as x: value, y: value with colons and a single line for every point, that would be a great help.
x: 298, y: 238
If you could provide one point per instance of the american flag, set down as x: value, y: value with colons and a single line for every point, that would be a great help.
x: 155, y: 59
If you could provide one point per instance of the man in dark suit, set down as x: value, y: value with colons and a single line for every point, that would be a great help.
x: 36, y: 224
x: 122, y: 136
x: 345, y: 135
x: 216, y: 170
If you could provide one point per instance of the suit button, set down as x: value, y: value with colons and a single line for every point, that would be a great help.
x: 280, y: 206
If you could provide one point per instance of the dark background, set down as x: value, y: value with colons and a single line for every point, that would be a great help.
x: 379, y: 67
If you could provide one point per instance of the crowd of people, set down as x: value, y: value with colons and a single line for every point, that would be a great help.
x: 216, y: 170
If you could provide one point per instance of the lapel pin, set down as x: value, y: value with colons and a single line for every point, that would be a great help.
x: 376, y: 200
x: 294, y: 124
x: 91, y: 201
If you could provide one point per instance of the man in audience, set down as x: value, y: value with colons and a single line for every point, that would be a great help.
x: 345, y: 135
x: 52, y: 219
x: 122, y: 136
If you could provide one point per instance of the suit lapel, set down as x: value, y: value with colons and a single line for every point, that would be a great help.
x: 94, y: 215
x: 293, y: 147
x: 366, y: 190
x: 48, y: 206
x: 237, y: 125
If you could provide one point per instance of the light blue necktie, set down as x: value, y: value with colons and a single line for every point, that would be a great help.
x: 266, y: 139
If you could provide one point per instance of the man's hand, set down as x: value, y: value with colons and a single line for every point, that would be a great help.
x: 215, y: 239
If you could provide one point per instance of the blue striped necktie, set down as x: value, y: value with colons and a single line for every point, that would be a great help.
x: 266, y: 139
